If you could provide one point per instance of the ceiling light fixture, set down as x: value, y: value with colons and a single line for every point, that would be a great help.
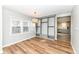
x: 35, y: 20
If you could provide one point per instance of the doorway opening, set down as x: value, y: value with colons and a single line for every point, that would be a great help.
x: 64, y: 28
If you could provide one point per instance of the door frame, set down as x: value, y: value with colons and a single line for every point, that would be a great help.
x: 62, y: 15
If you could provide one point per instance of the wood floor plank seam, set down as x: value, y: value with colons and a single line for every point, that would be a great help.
x: 38, y: 45
x: 58, y: 48
x: 40, y: 51
x: 53, y: 47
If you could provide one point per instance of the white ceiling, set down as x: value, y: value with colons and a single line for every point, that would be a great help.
x: 42, y: 10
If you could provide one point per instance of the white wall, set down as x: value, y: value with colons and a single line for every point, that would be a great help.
x: 75, y: 29
x: 9, y: 38
x: 1, y: 30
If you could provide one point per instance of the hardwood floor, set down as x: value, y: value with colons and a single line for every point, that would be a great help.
x: 39, y: 45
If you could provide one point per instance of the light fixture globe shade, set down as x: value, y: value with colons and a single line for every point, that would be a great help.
x: 34, y: 20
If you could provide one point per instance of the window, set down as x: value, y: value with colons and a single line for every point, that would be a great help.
x: 19, y: 26
x: 46, y: 27
x: 16, y: 29
x: 25, y: 26
x: 15, y: 26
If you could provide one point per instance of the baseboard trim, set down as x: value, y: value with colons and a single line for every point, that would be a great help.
x: 45, y: 37
x: 73, y: 48
x: 17, y: 42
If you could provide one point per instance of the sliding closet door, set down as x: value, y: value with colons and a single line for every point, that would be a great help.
x: 44, y: 27
x: 51, y: 28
